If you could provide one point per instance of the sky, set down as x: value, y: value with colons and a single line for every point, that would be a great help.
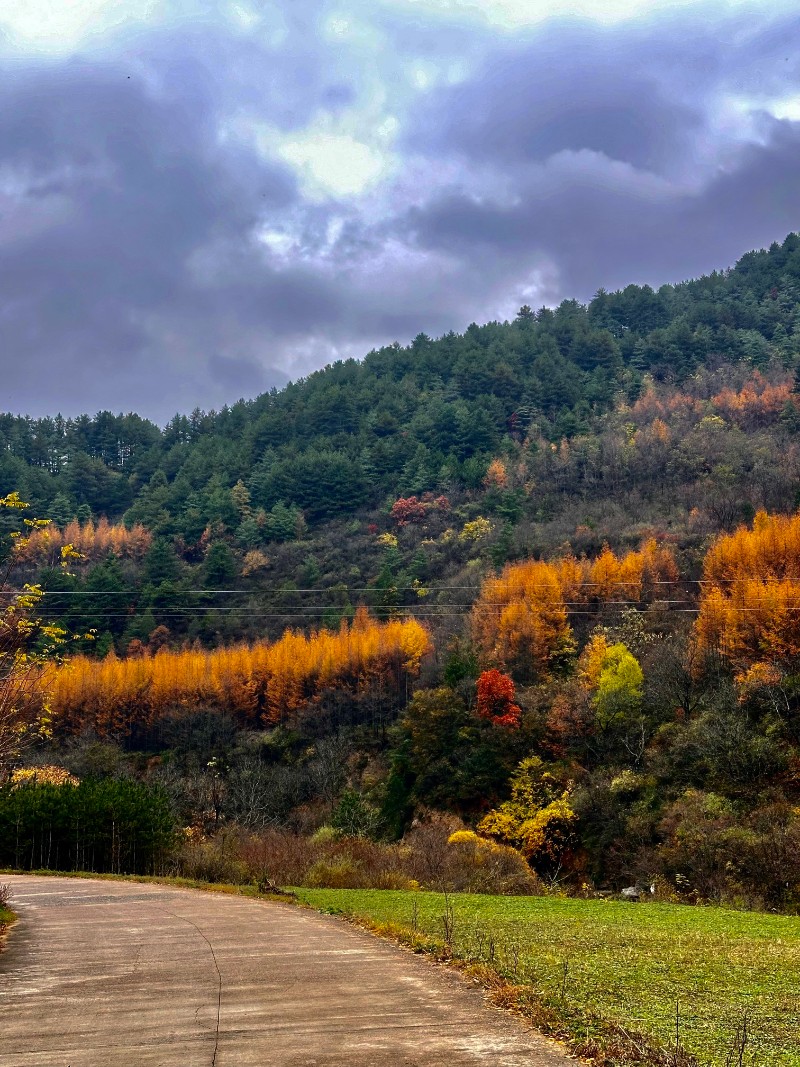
x: 203, y: 199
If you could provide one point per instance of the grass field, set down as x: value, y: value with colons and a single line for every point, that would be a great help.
x: 598, y: 968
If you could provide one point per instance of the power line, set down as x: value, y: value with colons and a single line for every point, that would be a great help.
x: 319, y: 613
x: 338, y: 589
x: 424, y: 603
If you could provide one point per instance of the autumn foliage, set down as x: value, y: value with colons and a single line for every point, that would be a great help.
x: 538, y: 818
x: 93, y: 541
x: 520, y: 620
x: 408, y: 509
x: 750, y: 606
x: 496, y: 476
x: 256, y: 683
x: 758, y: 403
x: 44, y: 774
x: 412, y: 509
x: 496, y: 699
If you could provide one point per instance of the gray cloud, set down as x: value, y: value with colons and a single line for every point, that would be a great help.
x: 611, y: 161
x: 123, y: 188
x: 155, y: 255
x: 571, y: 88
x: 599, y: 229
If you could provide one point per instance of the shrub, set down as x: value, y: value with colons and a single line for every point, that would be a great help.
x: 477, y: 865
x: 423, y: 859
x: 213, y: 860
x: 47, y: 774
x: 339, y: 873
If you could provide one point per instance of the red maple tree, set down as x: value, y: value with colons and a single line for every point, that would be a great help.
x: 496, y: 699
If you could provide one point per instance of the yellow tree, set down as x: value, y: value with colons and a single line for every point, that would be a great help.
x: 519, y: 620
x: 750, y: 606
x: 538, y: 818
x: 27, y: 643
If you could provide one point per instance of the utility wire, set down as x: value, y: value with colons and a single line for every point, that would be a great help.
x: 399, y: 612
x: 338, y: 589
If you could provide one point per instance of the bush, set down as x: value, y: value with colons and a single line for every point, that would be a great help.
x: 277, y: 856
x: 340, y: 873
x: 423, y: 859
x: 477, y: 865
x: 710, y: 852
x: 216, y: 859
x: 444, y: 855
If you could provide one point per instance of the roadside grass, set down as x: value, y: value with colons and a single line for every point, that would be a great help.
x: 621, y: 983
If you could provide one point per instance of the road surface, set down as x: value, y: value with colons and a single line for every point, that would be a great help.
x: 118, y: 974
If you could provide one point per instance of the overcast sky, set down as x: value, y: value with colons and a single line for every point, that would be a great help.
x: 200, y: 200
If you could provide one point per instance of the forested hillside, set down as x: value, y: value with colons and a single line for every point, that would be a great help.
x: 600, y: 671
x: 665, y: 408
x: 406, y: 420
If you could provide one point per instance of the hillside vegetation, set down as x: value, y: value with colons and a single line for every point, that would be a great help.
x: 543, y: 576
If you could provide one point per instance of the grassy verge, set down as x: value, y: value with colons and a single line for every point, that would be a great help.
x: 617, y: 981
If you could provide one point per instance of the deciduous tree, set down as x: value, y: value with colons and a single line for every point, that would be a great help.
x: 27, y: 644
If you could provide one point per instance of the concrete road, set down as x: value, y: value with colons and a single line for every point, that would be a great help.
x: 115, y: 974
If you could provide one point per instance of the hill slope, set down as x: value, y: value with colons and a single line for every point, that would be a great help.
x: 569, y: 473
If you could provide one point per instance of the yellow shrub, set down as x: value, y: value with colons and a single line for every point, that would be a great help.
x: 462, y: 836
x: 475, y: 530
x: 48, y: 774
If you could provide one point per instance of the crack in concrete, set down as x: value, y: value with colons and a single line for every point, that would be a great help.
x: 219, y: 982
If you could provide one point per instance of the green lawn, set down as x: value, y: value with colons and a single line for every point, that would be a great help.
x: 594, y: 963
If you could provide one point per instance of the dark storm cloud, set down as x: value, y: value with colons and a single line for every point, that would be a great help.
x: 602, y: 228
x: 286, y: 78
x: 612, y: 161
x: 131, y: 274
x: 639, y: 92
x: 126, y: 242
x: 571, y: 88
x: 156, y: 254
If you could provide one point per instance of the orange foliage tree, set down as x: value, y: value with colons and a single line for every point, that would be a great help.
x: 496, y: 476
x: 758, y: 403
x: 520, y: 619
x: 92, y: 541
x: 257, y: 683
x: 750, y: 605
